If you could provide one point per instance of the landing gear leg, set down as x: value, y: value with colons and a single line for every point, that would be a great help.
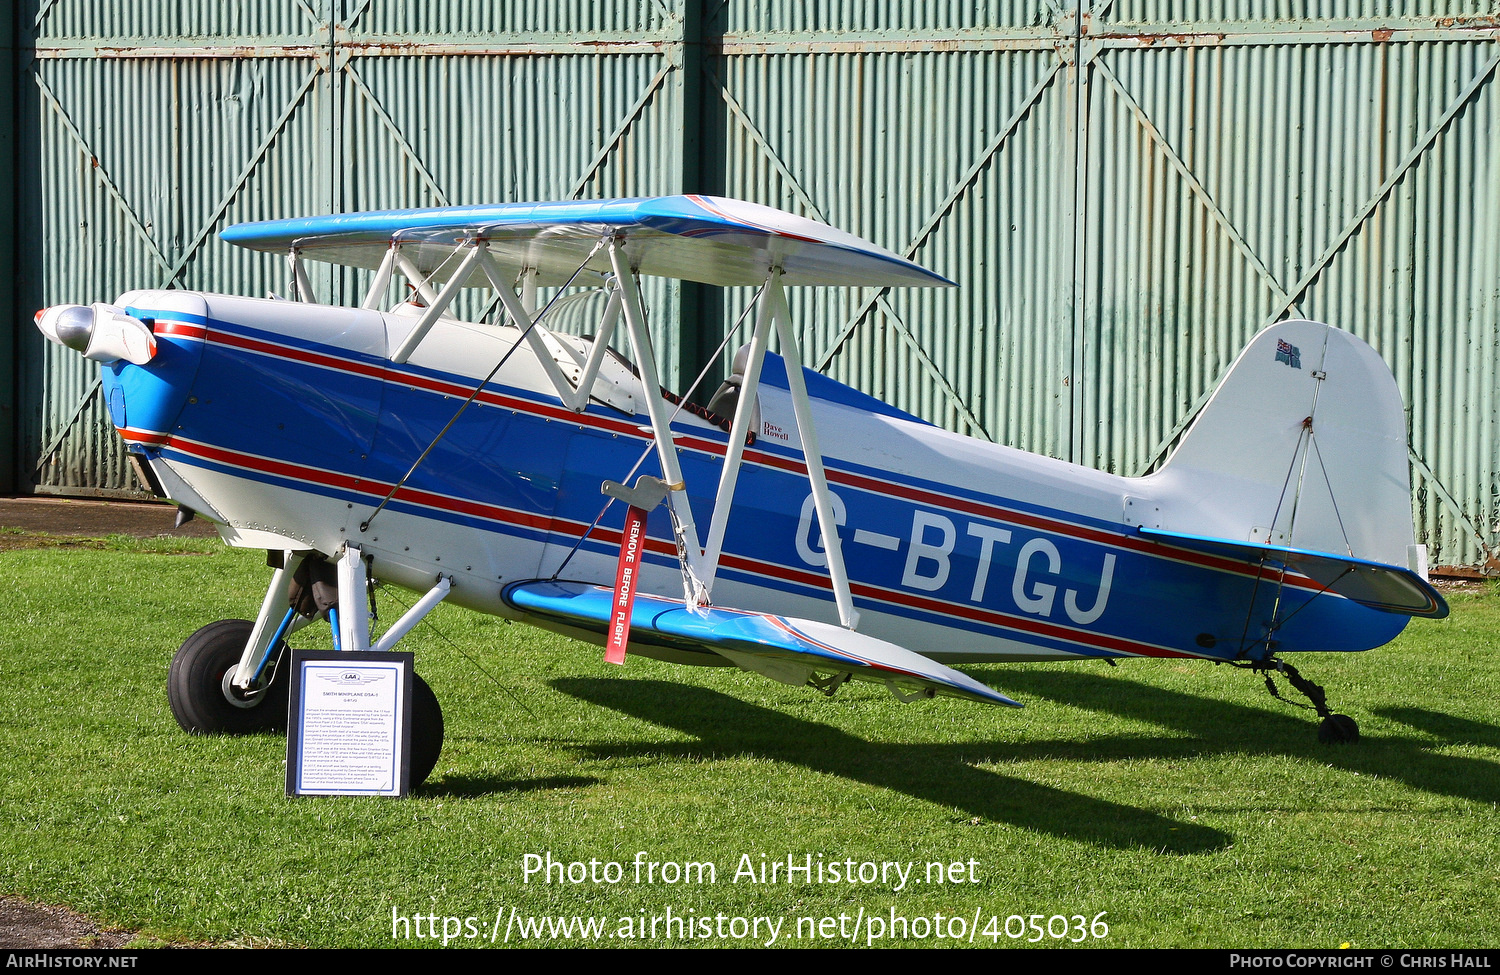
x: 1335, y: 728
x: 353, y: 633
x: 228, y: 678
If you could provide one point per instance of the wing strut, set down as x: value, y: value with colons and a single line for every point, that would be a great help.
x: 418, y: 280
x: 739, y: 430
x: 438, y: 304
x: 699, y: 564
x: 299, y: 285
x: 382, y: 278
x: 688, y: 550
x: 773, y: 312
x: 476, y: 251
x: 816, y: 477
x: 519, y: 309
x: 575, y: 395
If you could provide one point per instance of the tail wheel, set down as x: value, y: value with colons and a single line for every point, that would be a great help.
x: 199, y: 685
x: 1338, y: 729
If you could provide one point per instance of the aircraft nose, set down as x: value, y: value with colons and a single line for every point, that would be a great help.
x: 101, y: 332
x: 68, y: 325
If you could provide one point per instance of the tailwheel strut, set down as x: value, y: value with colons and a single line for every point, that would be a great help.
x: 1335, y: 728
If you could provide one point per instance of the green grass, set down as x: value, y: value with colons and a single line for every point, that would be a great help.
x: 1177, y: 797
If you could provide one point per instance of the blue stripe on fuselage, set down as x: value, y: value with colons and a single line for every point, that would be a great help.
x: 924, y: 555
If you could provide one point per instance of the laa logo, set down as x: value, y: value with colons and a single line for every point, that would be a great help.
x: 1288, y: 353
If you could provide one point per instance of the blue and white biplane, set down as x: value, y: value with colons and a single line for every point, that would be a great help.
x: 798, y: 528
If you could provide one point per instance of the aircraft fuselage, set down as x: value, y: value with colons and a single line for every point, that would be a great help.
x: 287, y: 424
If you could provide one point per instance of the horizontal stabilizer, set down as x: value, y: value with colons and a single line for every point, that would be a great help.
x: 1389, y: 588
x: 782, y: 647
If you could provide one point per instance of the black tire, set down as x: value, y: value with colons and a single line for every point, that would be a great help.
x: 196, y: 685
x: 1338, y: 729
x: 426, y: 731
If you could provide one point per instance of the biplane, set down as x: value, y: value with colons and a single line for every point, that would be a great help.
x: 786, y: 523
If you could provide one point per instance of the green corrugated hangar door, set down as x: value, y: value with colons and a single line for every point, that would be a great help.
x: 1125, y: 191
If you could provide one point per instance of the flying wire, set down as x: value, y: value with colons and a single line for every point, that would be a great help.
x: 468, y: 656
x: 1347, y: 569
x: 1260, y: 569
x: 650, y: 447
x: 365, y: 525
x: 1331, y: 499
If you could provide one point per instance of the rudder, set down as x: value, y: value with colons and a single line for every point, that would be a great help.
x: 1303, y: 445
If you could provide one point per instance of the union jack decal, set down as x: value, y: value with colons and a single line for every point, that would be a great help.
x: 1288, y: 353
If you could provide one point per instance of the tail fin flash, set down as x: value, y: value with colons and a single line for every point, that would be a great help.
x: 1302, y: 449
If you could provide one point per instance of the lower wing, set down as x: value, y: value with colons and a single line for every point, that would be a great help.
x: 784, y: 648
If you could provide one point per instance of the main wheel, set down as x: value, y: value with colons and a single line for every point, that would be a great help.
x: 426, y: 731
x: 199, y: 690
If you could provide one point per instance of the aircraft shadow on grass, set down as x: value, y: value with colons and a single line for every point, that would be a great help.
x: 457, y: 786
x: 1216, y: 727
x: 943, y: 774
x: 1454, y: 731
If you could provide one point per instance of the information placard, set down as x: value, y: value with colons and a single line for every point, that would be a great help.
x: 349, y: 725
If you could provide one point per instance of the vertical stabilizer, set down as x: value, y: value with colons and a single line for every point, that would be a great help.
x: 1303, y: 445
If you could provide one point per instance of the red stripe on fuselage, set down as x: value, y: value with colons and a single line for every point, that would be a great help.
x: 875, y: 595
x: 178, y: 329
x: 760, y: 457
x: 151, y: 438
x: 378, y: 489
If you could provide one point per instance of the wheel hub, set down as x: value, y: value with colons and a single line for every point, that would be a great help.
x: 237, y: 697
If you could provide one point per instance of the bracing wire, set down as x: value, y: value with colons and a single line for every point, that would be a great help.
x: 687, y: 396
x: 427, y: 622
x: 365, y: 525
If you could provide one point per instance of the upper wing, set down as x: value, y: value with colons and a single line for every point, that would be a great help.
x: 694, y: 238
x: 781, y: 647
